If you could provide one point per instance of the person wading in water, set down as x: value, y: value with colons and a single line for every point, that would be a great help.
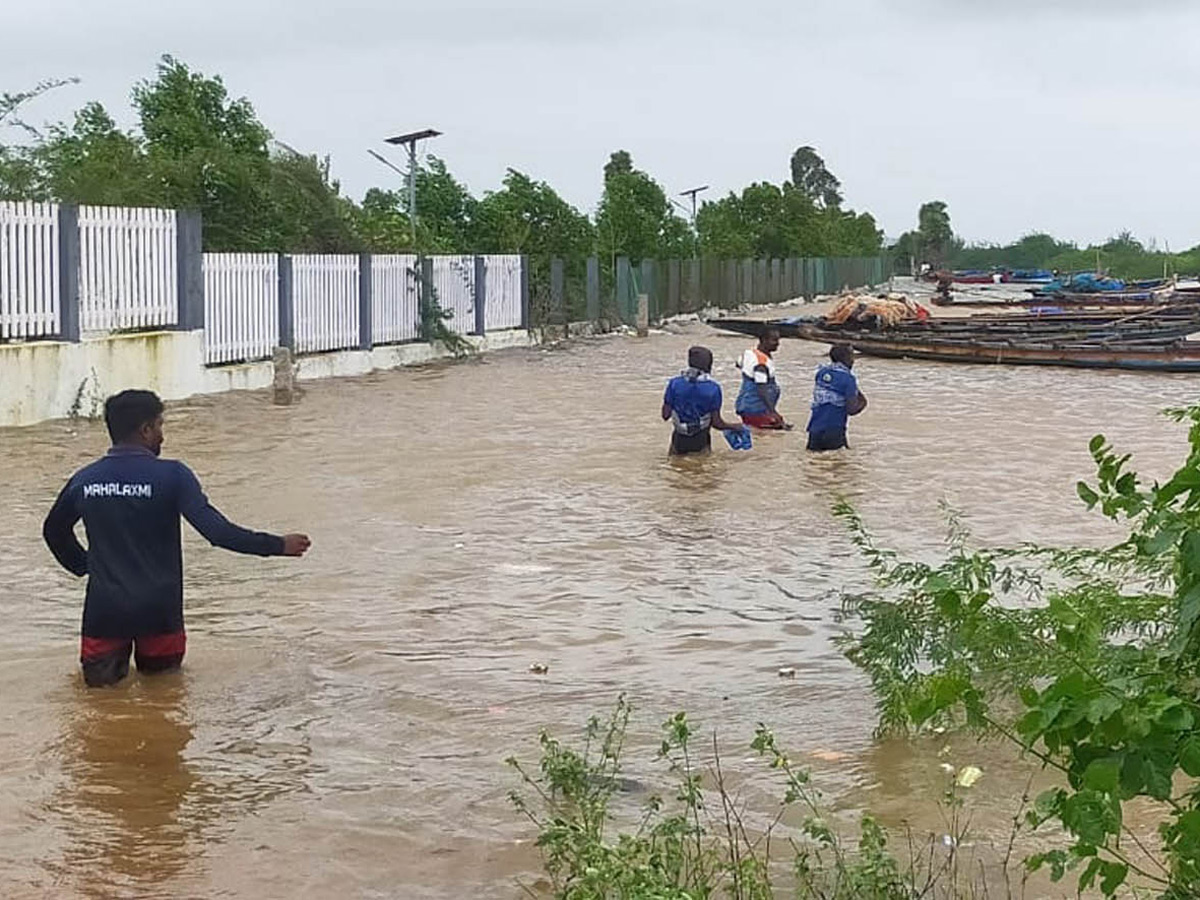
x: 760, y: 391
x: 835, y: 397
x: 130, y: 502
x: 692, y: 404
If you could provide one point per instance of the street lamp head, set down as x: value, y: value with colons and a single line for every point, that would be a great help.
x: 412, y: 137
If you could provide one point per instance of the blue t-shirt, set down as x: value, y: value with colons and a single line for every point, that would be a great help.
x: 692, y: 400
x: 835, y: 387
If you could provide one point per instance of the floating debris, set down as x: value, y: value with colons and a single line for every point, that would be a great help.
x: 538, y: 668
x: 829, y: 755
x: 968, y: 776
x: 787, y: 672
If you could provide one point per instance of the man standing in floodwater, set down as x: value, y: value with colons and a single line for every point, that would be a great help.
x: 760, y: 391
x: 130, y: 502
x: 692, y: 404
x: 835, y: 397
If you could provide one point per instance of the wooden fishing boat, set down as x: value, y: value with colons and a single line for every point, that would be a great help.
x: 1182, y: 318
x: 1132, y: 299
x: 1029, y: 276
x: 1149, y: 340
x: 1160, y: 294
x: 1178, y: 355
x: 977, y: 276
x: 1075, y: 301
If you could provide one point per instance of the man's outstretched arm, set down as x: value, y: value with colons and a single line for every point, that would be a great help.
x: 58, y: 531
x: 220, y: 532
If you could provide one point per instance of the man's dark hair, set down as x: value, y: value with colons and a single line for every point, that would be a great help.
x: 842, y: 353
x: 700, y: 358
x: 766, y: 331
x: 126, y: 412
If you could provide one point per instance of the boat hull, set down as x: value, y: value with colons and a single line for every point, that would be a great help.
x: 1085, y: 345
x: 1163, y: 359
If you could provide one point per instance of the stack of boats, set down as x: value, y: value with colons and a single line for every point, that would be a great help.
x: 1153, y: 337
x: 1000, y: 276
x: 1083, y: 289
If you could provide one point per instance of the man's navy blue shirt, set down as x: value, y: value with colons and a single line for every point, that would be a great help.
x: 130, y: 502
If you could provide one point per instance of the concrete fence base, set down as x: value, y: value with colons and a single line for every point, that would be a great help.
x: 43, y: 380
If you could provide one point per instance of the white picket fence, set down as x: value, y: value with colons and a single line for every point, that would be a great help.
x: 128, y: 280
x: 127, y: 268
x: 502, y: 307
x: 325, y: 300
x: 395, y: 299
x: 454, y: 281
x: 241, y: 306
x: 29, y: 289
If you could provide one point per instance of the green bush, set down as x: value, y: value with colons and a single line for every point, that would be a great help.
x: 1086, y: 659
x: 697, y: 842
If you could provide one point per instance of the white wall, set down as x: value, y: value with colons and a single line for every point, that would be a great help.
x: 42, y: 380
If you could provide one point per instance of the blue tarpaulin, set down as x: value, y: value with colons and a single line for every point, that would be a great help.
x: 1086, y: 283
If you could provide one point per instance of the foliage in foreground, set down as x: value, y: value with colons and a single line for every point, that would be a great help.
x: 701, y: 841
x: 1101, y: 648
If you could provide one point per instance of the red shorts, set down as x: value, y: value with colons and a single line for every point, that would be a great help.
x: 761, y: 420
x: 106, y: 660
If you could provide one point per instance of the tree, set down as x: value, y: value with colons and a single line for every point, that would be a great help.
x: 19, y: 175
x: 721, y: 229
x: 310, y: 214
x: 445, y: 209
x: 769, y: 220
x: 94, y: 162
x: 635, y: 218
x: 382, y: 223
x: 850, y: 233
x: 810, y: 175
x: 1123, y: 242
x: 937, y: 237
x: 906, y: 252
x: 619, y: 163
x: 527, y: 216
x: 198, y: 147
x: 211, y: 153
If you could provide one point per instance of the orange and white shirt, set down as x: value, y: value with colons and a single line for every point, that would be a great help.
x: 757, y: 368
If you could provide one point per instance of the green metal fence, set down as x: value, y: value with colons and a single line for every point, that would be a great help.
x: 573, y: 290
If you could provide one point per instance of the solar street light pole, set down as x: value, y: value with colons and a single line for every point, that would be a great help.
x: 410, y: 141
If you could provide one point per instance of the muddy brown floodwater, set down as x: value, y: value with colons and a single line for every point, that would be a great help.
x: 341, y: 724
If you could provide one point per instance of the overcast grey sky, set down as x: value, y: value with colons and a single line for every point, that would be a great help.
x: 1073, y: 116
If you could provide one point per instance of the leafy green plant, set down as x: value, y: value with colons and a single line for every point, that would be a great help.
x: 1085, y: 659
x: 697, y: 839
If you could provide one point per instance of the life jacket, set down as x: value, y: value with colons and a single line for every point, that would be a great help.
x: 688, y: 429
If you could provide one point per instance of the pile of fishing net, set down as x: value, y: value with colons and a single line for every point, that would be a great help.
x: 874, y: 312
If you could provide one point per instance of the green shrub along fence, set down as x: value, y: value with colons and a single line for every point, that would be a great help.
x: 593, y: 289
